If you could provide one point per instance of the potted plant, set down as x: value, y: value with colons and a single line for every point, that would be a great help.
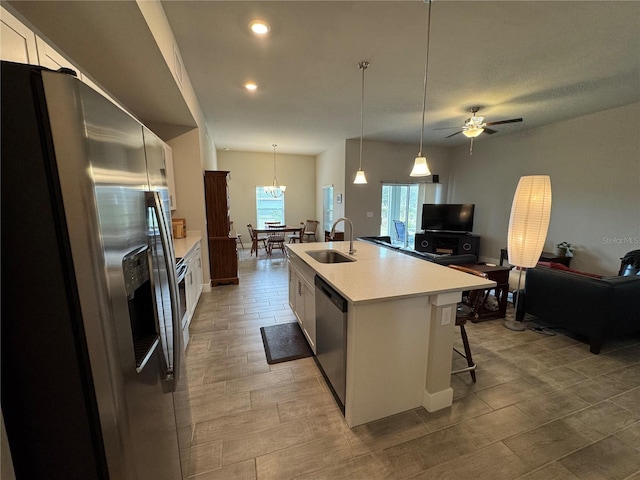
x: 564, y: 249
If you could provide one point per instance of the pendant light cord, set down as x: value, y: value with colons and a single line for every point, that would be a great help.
x: 362, y: 66
x: 426, y: 71
x: 275, y: 179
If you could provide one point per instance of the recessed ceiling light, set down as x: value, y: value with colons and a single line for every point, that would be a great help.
x: 259, y: 27
x: 250, y: 86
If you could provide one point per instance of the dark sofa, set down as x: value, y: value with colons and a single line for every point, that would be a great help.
x: 598, y: 308
x: 385, y: 241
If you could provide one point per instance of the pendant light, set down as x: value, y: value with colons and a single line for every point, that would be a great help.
x: 275, y: 190
x: 360, y: 178
x: 420, y: 167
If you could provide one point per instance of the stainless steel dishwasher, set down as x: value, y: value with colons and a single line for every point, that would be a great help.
x: 331, y: 337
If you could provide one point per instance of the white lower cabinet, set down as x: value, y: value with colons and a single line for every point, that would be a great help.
x: 309, y: 324
x: 193, y: 285
x: 193, y: 279
x: 302, y: 299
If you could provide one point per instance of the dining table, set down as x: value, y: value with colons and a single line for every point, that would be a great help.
x: 271, y: 231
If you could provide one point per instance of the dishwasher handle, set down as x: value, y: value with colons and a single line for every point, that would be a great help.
x: 332, y: 295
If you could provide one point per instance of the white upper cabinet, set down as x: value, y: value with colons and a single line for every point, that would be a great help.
x: 50, y: 58
x: 171, y: 183
x: 20, y: 44
x: 17, y: 42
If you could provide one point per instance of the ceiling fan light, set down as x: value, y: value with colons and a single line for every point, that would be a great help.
x: 259, y: 27
x: 420, y: 168
x: 472, y: 132
x: 360, y: 178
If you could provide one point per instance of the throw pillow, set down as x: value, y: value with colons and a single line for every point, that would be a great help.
x: 560, y: 266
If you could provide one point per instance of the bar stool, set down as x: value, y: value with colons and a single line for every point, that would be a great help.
x: 467, y: 310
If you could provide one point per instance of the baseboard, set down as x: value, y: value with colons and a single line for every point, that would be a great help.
x: 437, y: 401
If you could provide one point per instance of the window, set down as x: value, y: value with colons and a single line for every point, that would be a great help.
x: 399, y: 203
x: 268, y: 209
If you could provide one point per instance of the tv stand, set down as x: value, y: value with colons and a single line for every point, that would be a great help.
x: 443, y: 242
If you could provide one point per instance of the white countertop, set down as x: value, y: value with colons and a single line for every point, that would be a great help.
x: 181, y: 246
x: 379, y: 273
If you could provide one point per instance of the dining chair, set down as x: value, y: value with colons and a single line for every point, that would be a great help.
x: 400, y: 230
x: 255, y: 240
x: 468, y: 309
x: 297, y: 235
x: 276, y: 239
x: 234, y: 234
x: 310, y: 230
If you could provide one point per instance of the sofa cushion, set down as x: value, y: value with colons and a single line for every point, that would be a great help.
x: 560, y: 266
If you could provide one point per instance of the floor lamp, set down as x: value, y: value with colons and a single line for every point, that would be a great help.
x: 528, y: 225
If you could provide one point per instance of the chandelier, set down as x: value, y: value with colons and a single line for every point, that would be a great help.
x: 275, y: 190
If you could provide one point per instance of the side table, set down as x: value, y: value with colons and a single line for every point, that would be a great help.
x: 544, y: 257
x: 500, y: 275
x: 552, y: 257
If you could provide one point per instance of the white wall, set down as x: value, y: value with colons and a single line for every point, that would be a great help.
x: 383, y: 162
x: 251, y: 169
x: 594, y: 164
x: 330, y: 171
x: 190, y: 189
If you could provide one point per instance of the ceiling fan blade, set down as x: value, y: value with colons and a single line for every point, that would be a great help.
x: 445, y: 128
x: 513, y: 120
x: 449, y: 136
x: 490, y: 131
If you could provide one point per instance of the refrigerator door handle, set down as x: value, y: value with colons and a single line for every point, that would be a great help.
x: 153, y: 201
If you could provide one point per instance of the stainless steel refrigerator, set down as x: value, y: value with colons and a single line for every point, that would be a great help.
x: 93, y: 382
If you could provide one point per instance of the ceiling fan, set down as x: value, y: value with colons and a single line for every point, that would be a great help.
x: 475, y: 125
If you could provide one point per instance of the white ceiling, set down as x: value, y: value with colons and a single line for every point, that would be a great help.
x: 544, y: 61
x: 540, y: 60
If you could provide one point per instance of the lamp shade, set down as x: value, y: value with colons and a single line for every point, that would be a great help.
x: 360, y: 178
x: 420, y: 168
x: 472, y: 132
x: 529, y: 220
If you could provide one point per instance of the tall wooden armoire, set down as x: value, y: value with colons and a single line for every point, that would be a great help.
x: 223, y: 256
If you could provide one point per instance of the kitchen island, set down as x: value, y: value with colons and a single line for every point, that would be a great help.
x: 400, y: 326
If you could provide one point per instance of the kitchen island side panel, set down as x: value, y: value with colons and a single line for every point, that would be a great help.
x: 386, y: 358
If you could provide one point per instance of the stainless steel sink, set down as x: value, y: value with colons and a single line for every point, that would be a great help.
x: 329, y: 256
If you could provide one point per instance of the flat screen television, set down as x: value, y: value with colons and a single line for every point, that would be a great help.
x: 447, y: 217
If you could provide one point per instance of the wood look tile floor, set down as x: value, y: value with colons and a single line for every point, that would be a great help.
x: 543, y: 407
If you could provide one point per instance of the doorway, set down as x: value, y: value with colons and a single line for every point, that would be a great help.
x: 327, y: 208
x: 399, y: 213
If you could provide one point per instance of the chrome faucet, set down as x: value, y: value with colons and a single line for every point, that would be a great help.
x: 333, y: 231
